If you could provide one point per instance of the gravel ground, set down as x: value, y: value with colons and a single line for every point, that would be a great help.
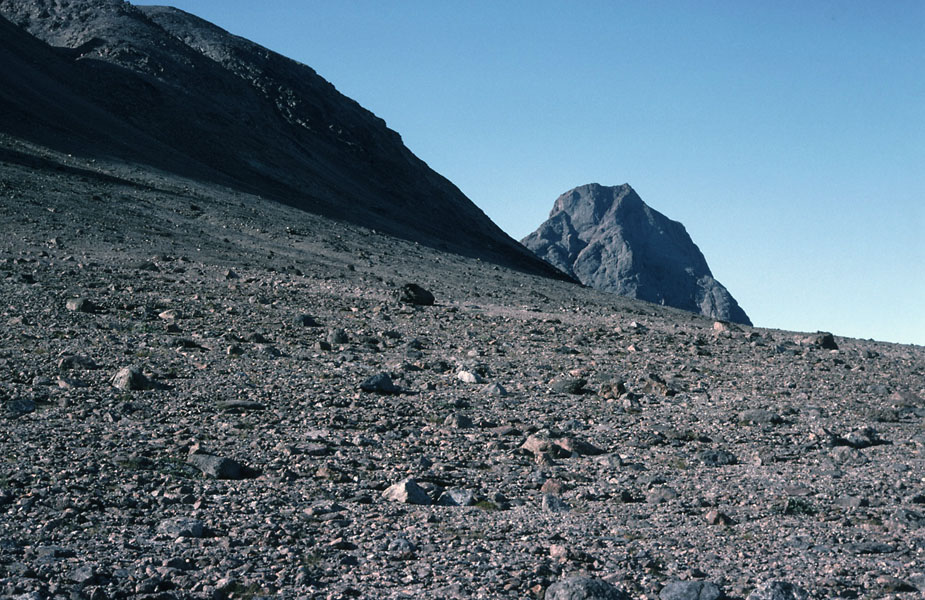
x: 190, y: 409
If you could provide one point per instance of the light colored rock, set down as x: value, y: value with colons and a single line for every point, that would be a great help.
x: 469, y: 377
x: 456, y: 497
x: 407, y: 491
x: 131, y: 378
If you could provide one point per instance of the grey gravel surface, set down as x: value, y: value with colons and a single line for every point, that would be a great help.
x: 604, y: 441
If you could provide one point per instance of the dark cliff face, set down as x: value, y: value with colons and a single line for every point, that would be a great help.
x: 160, y: 87
x: 609, y: 239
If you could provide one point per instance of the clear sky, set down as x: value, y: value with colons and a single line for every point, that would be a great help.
x: 787, y: 136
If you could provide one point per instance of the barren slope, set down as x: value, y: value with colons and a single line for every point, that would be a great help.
x: 639, y: 445
x: 160, y: 87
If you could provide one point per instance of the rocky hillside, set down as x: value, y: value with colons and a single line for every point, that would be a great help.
x: 609, y: 239
x: 162, y: 88
x: 210, y: 393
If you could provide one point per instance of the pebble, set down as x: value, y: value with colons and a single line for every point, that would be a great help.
x: 661, y: 494
x: 76, y: 361
x: 760, y: 416
x: 401, y: 548
x: 569, y: 385
x: 456, y: 497
x: 495, y: 389
x: 304, y: 320
x: 715, y: 517
x: 338, y: 337
x: 717, y: 458
x: 18, y: 407
x: 458, y: 421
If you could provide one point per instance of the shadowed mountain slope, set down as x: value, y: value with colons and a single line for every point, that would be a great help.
x: 609, y: 239
x: 160, y: 87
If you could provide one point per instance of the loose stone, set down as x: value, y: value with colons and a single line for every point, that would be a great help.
x: 407, y: 491
x: 584, y: 588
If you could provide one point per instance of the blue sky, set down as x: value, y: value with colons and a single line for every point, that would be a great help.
x: 788, y: 137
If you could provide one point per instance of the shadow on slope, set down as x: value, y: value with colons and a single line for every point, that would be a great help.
x: 159, y: 87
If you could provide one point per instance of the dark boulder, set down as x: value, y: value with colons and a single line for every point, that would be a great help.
x: 584, y: 588
x: 412, y: 293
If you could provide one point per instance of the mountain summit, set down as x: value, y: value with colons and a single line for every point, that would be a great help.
x: 158, y: 87
x: 609, y: 239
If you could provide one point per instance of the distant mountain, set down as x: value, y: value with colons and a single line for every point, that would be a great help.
x: 159, y: 87
x: 609, y: 239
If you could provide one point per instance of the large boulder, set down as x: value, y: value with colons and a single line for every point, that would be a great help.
x: 584, y: 588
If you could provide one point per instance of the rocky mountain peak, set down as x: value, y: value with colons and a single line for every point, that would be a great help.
x: 590, y: 203
x: 609, y: 239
